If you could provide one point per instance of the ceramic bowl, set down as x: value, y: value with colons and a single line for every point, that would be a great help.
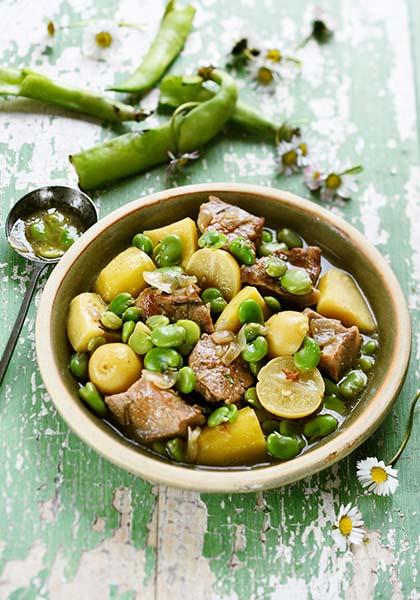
x: 341, y: 243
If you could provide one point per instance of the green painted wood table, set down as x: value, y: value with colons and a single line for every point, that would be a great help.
x: 73, y: 525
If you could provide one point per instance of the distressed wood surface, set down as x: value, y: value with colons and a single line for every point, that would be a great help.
x: 72, y: 525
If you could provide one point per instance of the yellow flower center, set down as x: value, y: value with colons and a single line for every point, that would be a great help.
x: 289, y: 159
x: 265, y: 76
x: 316, y: 175
x: 51, y: 28
x: 345, y: 526
x: 378, y: 475
x: 333, y: 181
x: 103, y: 39
x: 274, y: 55
x: 303, y: 148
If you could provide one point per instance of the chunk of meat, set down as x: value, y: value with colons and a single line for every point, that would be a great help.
x: 339, y: 345
x: 217, y: 381
x: 304, y: 258
x: 233, y: 221
x: 186, y: 304
x: 149, y: 413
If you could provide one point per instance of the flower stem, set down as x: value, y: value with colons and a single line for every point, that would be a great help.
x: 352, y: 170
x: 396, y: 457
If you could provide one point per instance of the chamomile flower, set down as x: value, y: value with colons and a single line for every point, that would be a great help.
x: 270, y: 66
x: 313, y: 177
x: 293, y: 155
x: 101, y: 40
x: 339, y: 184
x: 377, y: 477
x: 348, y: 527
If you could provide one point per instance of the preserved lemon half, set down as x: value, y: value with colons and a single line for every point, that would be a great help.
x: 216, y: 268
x: 286, y: 392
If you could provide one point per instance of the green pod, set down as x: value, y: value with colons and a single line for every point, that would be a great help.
x: 132, y: 314
x: 352, y: 384
x: 120, y: 303
x: 255, y: 350
x: 186, y: 380
x: 308, y: 356
x: 169, y: 252
x: 296, y: 282
x: 79, y: 366
x: 174, y: 28
x: 177, y: 449
x: 90, y: 396
x: 162, y: 359
x: 37, y: 231
x: 331, y: 388
x: 210, y: 294
x: 255, y: 366
x: 241, y: 249
x: 320, y: 426
x: 159, y: 447
x: 142, y: 242
x: 253, y: 330
x: 281, y: 446
x: 127, y: 330
x: 168, y: 336
x: 250, y: 312
x: 290, y: 238
x: 212, y: 239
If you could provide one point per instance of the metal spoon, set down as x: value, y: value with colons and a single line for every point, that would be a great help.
x: 53, y: 196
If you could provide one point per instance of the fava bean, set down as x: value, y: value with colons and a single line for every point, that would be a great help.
x: 266, y: 236
x: 275, y: 267
x: 210, y: 294
x: 250, y: 312
x: 255, y: 366
x: 186, y: 380
x: 131, y: 314
x: 331, y: 402
x: 320, y: 426
x: 268, y: 248
x: 162, y: 359
x: 296, y: 282
x: 308, y: 356
x: 177, y: 449
x: 370, y: 347
x: 289, y: 427
x: 90, y: 396
x: 352, y: 384
x: 272, y: 303
x: 127, y: 330
x: 168, y: 336
x: 95, y: 342
x: 157, y: 321
x: 366, y: 363
x: 242, y: 251
x: 253, y: 330
x: 269, y: 426
x: 159, y: 447
x: 223, y: 414
x: 120, y: 303
x: 140, y: 342
x: 252, y: 398
x: 142, y: 242
x: 255, y: 350
x: 282, y: 446
x: 192, y: 330
x: 217, y: 305
x: 79, y: 366
x: 212, y: 239
x: 37, y: 231
x: 290, y: 238
x: 169, y: 251
x: 111, y: 321
x: 331, y: 388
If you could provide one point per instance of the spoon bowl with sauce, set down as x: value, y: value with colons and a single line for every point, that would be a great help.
x: 41, y: 226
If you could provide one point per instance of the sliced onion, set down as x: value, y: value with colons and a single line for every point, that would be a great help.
x: 164, y: 381
x: 168, y: 281
x: 223, y: 337
x: 241, y: 339
x: 192, y: 445
x: 231, y: 353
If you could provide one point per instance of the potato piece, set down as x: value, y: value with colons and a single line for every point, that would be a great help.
x: 229, y: 318
x: 187, y: 231
x: 114, y: 367
x: 83, y: 322
x: 239, y: 443
x: 216, y: 268
x: 341, y: 299
x: 286, y: 331
x: 124, y: 274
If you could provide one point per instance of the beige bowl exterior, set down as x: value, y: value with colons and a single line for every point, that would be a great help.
x: 342, y: 244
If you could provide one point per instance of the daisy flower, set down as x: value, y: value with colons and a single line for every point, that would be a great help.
x: 271, y: 65
x: 348, y: 527
x: 100, y: 40
x: 313, y: 177
x: 243, y: 51
x: 293, y: 155
x: 178, y: 163
x: 339, y: 184
x: 377, y: 477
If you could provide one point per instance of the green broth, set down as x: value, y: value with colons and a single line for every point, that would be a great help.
x: 47, y: 233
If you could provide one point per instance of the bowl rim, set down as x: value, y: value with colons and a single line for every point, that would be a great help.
x: 203, y: 480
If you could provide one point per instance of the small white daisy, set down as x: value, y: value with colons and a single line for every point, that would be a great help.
x: 293, y: 155
x: 377, y: 477
x: 313, y: 177
x: 101, y: 40
x: 339, y: 184
x: 348, y: 527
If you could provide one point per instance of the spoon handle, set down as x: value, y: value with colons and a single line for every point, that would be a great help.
x: 14, y: 334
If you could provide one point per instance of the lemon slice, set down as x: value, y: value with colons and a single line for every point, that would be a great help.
x: 286, y: 392
x: 216, y: 268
